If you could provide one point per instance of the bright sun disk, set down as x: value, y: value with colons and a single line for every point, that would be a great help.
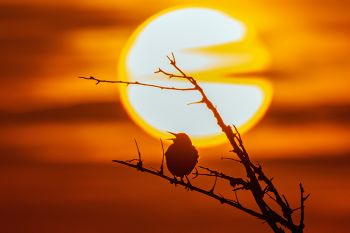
x: 208, y: 44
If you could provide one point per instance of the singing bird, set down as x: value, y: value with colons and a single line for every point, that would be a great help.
x: 181, y: 156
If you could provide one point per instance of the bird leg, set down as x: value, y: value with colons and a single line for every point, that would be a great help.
x: 188, y: 184
x: 195, y: 174
x: 174, y: 181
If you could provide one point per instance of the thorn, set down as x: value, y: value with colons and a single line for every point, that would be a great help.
x: 296, y: 209
x: 172, y: 61
x: 197, y: 102
x: 237, y: 200
x: 139, y: 163
x: 236, y: 160
x: 222, y: 198
x: 307, y: 196
x: 131, y: 160
x: 174, y: 181
x: 162, y: 166
x: 152, y: 168
x: 195, y: 173
x: 212, y: 189
x: 188, y: 185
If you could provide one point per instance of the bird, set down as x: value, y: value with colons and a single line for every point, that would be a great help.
x: 181, y: 156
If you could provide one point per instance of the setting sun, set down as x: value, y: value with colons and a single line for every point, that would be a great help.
x: 210, y: 45
x: 81, y: 157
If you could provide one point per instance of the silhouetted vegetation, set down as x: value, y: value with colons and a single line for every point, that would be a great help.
x: 256, y: 182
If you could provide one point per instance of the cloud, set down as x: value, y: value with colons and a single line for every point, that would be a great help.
x: 336, y: 114
x: 31, y: 34
x: 114, y: 111
x: 87, y: 112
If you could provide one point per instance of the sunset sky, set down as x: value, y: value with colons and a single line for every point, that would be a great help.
x: 48, y: 115
x: 46, y: 45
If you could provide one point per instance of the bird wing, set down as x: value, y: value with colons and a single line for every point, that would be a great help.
x: 181, y: 159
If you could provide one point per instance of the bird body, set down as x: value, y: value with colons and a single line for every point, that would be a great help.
x: 181, y: 156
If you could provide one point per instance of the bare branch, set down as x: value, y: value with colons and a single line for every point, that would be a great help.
x: 236, y: 160
x: 233, y: 181
x: 250, y: 168
x: 170, y: 75
x: 173, y: 63
x: 220, y: 198
x: 255, y: 179
x: 271, y: 197
x: 137, y: 83
x: 302, y: 206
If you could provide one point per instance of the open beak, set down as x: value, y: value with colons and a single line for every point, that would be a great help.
x: 172, y: 139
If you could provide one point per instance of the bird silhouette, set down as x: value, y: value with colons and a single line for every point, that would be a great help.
x: 181, y: 156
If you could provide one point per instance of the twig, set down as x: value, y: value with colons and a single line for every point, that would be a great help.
x: 212, y: 189
x: 137, y: 83
x: 195, y: 188
x: 227, y: 158
x: 237, y: 200
x: 233, y: 180
x: 302, y: 207
x: 170, y: 75
x: 196, y: 102
x: 255, y: 175
x: 139, y: 163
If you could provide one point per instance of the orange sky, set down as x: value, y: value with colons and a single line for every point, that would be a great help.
x: 46, y: 45
x: 59, y: 133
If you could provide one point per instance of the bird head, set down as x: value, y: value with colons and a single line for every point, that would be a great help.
x: 181, y: 138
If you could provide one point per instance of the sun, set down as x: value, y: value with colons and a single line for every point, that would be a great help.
x: 211, y: 46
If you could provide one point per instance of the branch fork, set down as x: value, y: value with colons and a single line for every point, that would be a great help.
x: 256, y: 181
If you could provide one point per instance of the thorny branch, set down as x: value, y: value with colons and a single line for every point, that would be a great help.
x: 138, y: 165
x: 256, y: 182
x: 98, y: 81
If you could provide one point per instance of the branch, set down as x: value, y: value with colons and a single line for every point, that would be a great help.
x: 302, y: 207
x: 222, y: 199
x: 238, y: 148
x: 284, y: 205
x: 170, y: 75
x: 233, y: 181
x: 137, y: 83
x: 256, y: 178
x: 227, y: 158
